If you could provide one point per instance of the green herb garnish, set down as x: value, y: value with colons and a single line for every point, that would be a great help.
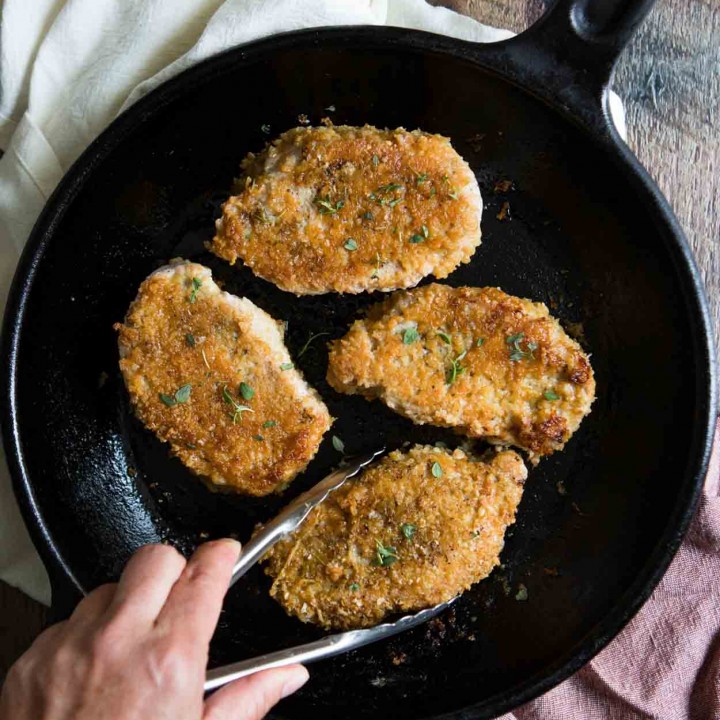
x: 408, y: 530
x: 196, y: 285
x: 246, y: 391
x: 421, y: 178
x: 306, y: 346
x: 455, y: 368
x: 367, y: 215
x: 410, y: 335
x: 287, y: 366
x: 350, y: 245
x: 444, y: 337
x: 415, y: 239
x: 325, y: 207
x: 522, y: 593
x: 269, y: 423
x: 265, y: 129
x: 385, y: 555
x: 425, y: 231
x: 354, y: 586
x: 237, y: 408
x: 479, y: 342
x: 258, y: 437
x: 181, y: 396
x: 375, y: 160
x: 551, y: 395
x: 437, y: 470
x: 338, y: 444
x: 517, y: 353
x: 190, y: 339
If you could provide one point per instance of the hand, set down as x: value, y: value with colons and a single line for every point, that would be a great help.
x: 137, y: 650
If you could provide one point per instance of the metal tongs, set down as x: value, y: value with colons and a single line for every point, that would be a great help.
x: 284, y: 524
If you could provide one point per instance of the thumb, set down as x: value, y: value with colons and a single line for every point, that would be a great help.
x: 250, y: 698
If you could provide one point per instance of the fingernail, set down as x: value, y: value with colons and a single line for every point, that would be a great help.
x: 299, y: 677
x: 233, y: 543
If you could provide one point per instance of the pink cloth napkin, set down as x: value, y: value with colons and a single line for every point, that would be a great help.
x: 665, y: 664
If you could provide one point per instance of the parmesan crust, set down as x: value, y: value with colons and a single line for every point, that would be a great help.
x: 416, y: 529
x: 348, y: 209
x: 478, y: 360
x: 183, y: 330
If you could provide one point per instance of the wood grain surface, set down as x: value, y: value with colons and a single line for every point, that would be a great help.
x: 669, y: 77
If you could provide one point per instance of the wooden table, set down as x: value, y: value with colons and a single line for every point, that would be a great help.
x: 670, y: 82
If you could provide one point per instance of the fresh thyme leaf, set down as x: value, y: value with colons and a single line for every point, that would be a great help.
x: 410, y: 336
x: 480, y: 342
x: 375, y: 160
x: 287, y: 366
x: 182, y: 394
x: 306, y: 346
x: 425, y: 231
x: 437, y: 470
x: 338, y: 444
x: 455, y: 368
x: 350, y: 245
x: 246, y: 391
x: 190, y: 339
x: 551, y: 395
x: 421, y: 178
x: 517, y: 353
x: 196, y: 285
x: 269, y: 423
x: 453, y: 195
x: 258, y: 437
x: 367, y: 215
x: 444, y: 337
x: 395, y: 201
x: 238, y: 409
x: 415, y: 239
x: 169, y: 400
x: 408, y: 530
x: 390, y: 187
x: 325, y: 207
x: 385, y: 555
x: 354, y: 587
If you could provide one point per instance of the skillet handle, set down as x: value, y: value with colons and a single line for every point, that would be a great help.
x: 588, y: 35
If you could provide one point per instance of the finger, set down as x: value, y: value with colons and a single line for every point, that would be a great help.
x: 252, y: 697
x: 93, y: 606
x: 193, y: 607
x: 146, y: 583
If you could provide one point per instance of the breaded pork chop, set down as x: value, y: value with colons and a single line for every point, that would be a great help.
x: 348, y: 209
x: 414, y: 530
x: 475, y: 359
x: 208, y: 373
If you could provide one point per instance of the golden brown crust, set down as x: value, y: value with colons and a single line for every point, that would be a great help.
x: 214, y: 343
x: 501, y: 389
x: 317, y: 211
x: 445, y: 526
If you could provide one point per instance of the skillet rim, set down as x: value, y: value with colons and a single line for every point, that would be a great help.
x: 594, y: 122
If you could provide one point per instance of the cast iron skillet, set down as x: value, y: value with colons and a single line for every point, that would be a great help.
x: 589, y: 234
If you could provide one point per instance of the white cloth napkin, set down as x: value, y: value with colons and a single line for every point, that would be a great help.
x: 68, y: 67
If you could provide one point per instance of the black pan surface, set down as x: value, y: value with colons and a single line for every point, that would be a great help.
x: 587, y: 234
